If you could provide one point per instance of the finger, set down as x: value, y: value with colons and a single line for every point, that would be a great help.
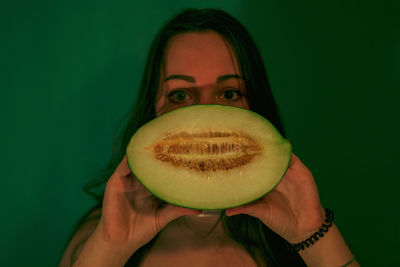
x: 297, y: 169
x: 296, y: 163
x: 132, y: 180
x: 255, y: 209
x: 122, y: 179
x: 293, y: 161
x: 123, y: 168
x: 171, y: 212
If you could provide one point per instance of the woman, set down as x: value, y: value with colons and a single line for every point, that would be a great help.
x: 205, y: 57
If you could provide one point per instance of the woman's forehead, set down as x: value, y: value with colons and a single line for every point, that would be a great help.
x: 204, y: 56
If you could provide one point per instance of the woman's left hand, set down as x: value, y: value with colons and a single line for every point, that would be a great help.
x: 293, y: 209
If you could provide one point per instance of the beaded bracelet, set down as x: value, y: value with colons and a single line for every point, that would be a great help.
x: 316, y: 236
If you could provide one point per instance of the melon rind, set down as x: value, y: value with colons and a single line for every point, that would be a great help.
x: 210, y: 190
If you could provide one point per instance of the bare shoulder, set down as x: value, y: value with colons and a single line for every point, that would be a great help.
x: 87, y: 226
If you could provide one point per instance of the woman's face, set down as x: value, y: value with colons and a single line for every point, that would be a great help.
x: 200, y: 68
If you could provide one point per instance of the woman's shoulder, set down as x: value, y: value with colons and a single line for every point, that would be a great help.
x: 85, y: 227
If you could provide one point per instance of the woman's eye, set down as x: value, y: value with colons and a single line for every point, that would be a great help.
x: 178, y: 96
x: 232, y: 94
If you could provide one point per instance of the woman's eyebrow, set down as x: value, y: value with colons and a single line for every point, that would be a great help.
x: 229, y: 76
x: 180, y: 77
x: 193, y: 80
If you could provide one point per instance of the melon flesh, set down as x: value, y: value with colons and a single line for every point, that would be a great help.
x: 209, y: 156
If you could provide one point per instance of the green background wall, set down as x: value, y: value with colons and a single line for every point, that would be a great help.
x: 69, y: 73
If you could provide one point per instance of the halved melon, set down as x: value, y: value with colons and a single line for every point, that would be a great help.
x: 209, y: 156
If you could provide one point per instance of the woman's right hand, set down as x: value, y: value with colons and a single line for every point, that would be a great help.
x: 131, y: 217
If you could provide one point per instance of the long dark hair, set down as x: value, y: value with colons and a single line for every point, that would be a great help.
x: 262, y: 244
